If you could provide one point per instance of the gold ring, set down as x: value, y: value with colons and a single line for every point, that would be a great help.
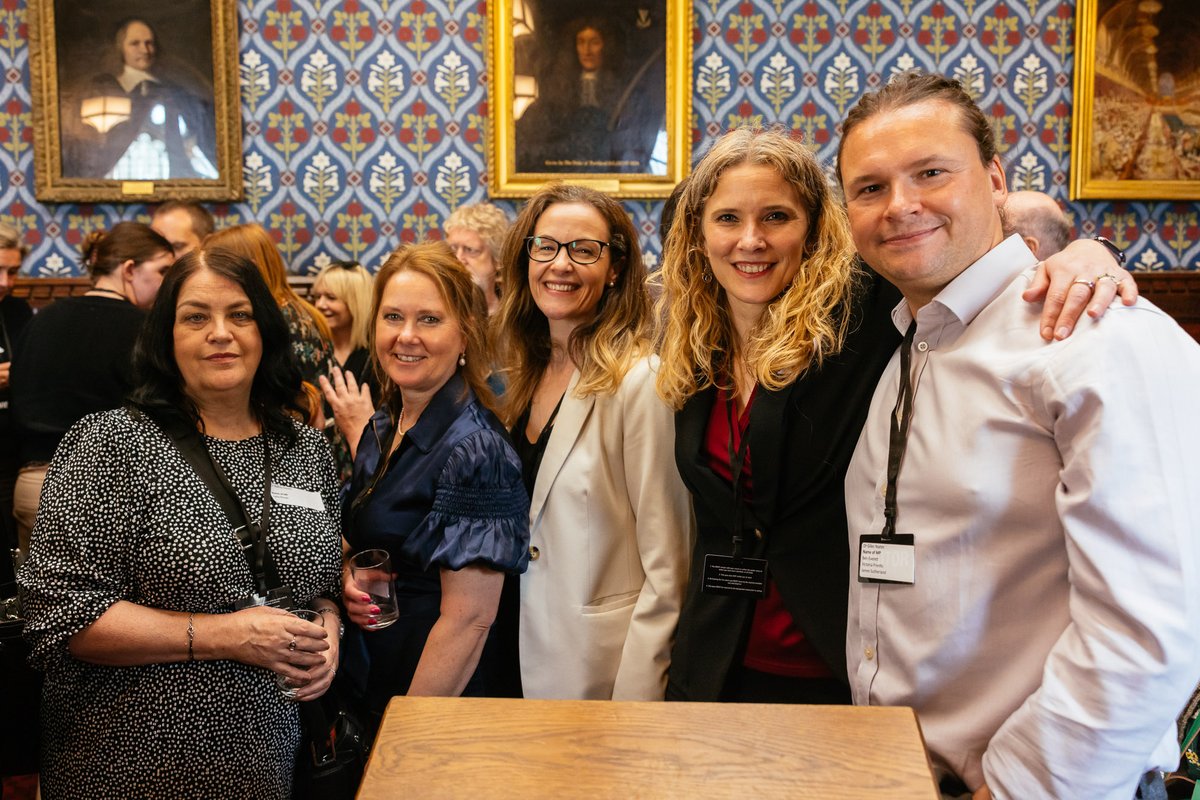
x: 1112, y: 278
x: 1085, y: 282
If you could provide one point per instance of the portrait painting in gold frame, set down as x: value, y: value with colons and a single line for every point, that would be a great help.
x: 589, y: 91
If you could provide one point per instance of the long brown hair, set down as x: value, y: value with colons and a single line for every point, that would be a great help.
x: 436, y: 261
x: 603, y: 349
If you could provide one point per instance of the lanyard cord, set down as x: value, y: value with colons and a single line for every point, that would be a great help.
x: 266, y: 573
x: 898, y: 440
x: 737, y: 462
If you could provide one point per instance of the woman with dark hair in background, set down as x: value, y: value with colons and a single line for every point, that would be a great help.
x: 155, y: 685
x: 74, y: 357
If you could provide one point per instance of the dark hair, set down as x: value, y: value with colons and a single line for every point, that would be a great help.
x: 436, y: 261
x: 912, y: 87
x: 160, y: 388
x: 104, y: 252
x: 202, y: 221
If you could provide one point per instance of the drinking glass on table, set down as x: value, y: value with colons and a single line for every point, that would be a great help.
x: 372, y: 572
x: 308, y: 615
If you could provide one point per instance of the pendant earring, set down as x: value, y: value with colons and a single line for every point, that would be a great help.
x: 462, y: 360
x: 706, y: 275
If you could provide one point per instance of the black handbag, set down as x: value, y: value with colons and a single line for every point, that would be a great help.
x: 333, y: 744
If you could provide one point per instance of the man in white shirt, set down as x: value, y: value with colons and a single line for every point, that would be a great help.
x: 1033, y: 590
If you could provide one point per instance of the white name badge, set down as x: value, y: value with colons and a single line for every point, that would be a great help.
x: 291, y: 496
x: 893, y: 560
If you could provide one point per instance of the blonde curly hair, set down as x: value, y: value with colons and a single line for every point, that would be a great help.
x: 801, y: 327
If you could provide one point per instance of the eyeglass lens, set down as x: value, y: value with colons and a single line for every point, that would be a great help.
x: 581, y: 251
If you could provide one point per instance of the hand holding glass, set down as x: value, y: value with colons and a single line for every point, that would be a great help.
x: 307, y: 615
x: 372, y: 572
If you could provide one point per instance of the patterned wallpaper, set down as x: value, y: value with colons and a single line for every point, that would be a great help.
x: 364, y: 119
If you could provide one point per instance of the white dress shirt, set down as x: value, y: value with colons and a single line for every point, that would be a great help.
x: 1050, y: 637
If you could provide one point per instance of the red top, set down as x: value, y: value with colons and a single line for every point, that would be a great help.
x: 776, y: 644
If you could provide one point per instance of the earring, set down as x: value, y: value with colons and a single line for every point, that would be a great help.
x: 612, y: 283
x: 706, y: 275
x: 462, y: 360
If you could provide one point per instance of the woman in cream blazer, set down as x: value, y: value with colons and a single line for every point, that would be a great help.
x: 610, y: 521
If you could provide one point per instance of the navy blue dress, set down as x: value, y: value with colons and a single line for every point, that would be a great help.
x: 451, y: 496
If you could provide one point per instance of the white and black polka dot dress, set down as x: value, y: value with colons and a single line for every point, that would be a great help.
x: 124, y: 517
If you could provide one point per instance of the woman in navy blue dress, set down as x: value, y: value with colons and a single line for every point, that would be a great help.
x: 436, y: 484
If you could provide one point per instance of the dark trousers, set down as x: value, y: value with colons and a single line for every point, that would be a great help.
x: 1150, y: 787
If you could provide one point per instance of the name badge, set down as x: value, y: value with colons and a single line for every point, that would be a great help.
x: 887, y: 561
x: 739, y: 577
x: 291, y: 496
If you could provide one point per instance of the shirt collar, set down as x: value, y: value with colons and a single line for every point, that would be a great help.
x: 131, y: 77
x: 443, y: 409
x: 977, y: 285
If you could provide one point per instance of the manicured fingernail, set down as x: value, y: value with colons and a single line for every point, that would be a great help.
x: 372, y: 621
x: 373, y: 609
x: 366, y: 598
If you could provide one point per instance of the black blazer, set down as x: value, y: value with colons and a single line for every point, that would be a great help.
x: 801, y: 441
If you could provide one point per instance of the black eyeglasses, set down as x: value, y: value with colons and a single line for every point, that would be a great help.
x: 581, y: 251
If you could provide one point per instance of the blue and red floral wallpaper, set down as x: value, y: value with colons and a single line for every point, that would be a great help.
x: 364, y: 120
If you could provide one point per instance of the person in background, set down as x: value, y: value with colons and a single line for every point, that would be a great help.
x: 342, y: 292
x: 1039, y: 220
x: 74, y: 356
x: 155, y: 685
x: 436, y: 484
x: 14, y: 315
x: 1024, y: 547
x: 476, y: 235
x: 183, y: 223
x: 611, y: 529
x: 772, y: 345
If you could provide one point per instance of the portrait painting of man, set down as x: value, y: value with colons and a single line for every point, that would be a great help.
x: 135, y: 85
x: 1146, y: 107
x: 590, y: 89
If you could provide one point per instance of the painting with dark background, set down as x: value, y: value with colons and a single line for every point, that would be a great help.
x: 364, y: 120
x: 116, y: 122
x: 599, y: 73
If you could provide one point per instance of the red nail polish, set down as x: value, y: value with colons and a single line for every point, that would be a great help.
x: 366, y: 598
x: 372, y: 621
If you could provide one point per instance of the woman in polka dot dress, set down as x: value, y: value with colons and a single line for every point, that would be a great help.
x: 155, y: 685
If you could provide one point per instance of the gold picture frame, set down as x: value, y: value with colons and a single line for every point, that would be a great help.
x: 118, y: 118
x: 597, y: 93
x: 1133, y: 136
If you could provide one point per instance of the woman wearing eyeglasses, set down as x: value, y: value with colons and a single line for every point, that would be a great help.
x: 610, y: 524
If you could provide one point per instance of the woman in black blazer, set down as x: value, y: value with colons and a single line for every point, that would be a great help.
x: 773, y: 342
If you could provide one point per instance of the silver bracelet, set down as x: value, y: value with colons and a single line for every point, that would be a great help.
x: 191, y: 637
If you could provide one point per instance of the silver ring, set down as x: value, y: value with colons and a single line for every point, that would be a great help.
x: 1112, y: 278
x: 1085, y: 282
x: 292, y: 644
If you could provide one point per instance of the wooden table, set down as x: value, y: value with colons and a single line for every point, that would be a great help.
x: 492, y: 748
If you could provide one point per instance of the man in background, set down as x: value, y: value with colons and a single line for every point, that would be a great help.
x: 182, y: 223
x: 1038, y: 219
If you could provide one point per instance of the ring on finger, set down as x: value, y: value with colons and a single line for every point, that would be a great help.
x: 292, y: 644
x: 1084, y: 282
x: 1113, y: 278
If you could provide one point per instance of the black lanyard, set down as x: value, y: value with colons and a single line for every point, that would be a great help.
x: 898, y: 440
x: 254, y: 536
x: 737, y: 462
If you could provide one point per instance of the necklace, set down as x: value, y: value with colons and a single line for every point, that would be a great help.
x: 113, y: 292
x: 400, y: 423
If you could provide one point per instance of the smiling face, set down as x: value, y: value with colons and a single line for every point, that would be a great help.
x: 217, y: 343
x: 333, y: 308
x: 754, y: 233
x: 417, y: 338
x: 569, y: 293
x: 589, y: 46
x: 922, y: 208
x: 138, y: 47
x: 143, y: 279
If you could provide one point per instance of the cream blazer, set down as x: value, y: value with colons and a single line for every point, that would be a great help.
x: 611, y: 534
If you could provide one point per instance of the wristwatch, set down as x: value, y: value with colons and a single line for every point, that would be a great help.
x: 1117, y: 252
